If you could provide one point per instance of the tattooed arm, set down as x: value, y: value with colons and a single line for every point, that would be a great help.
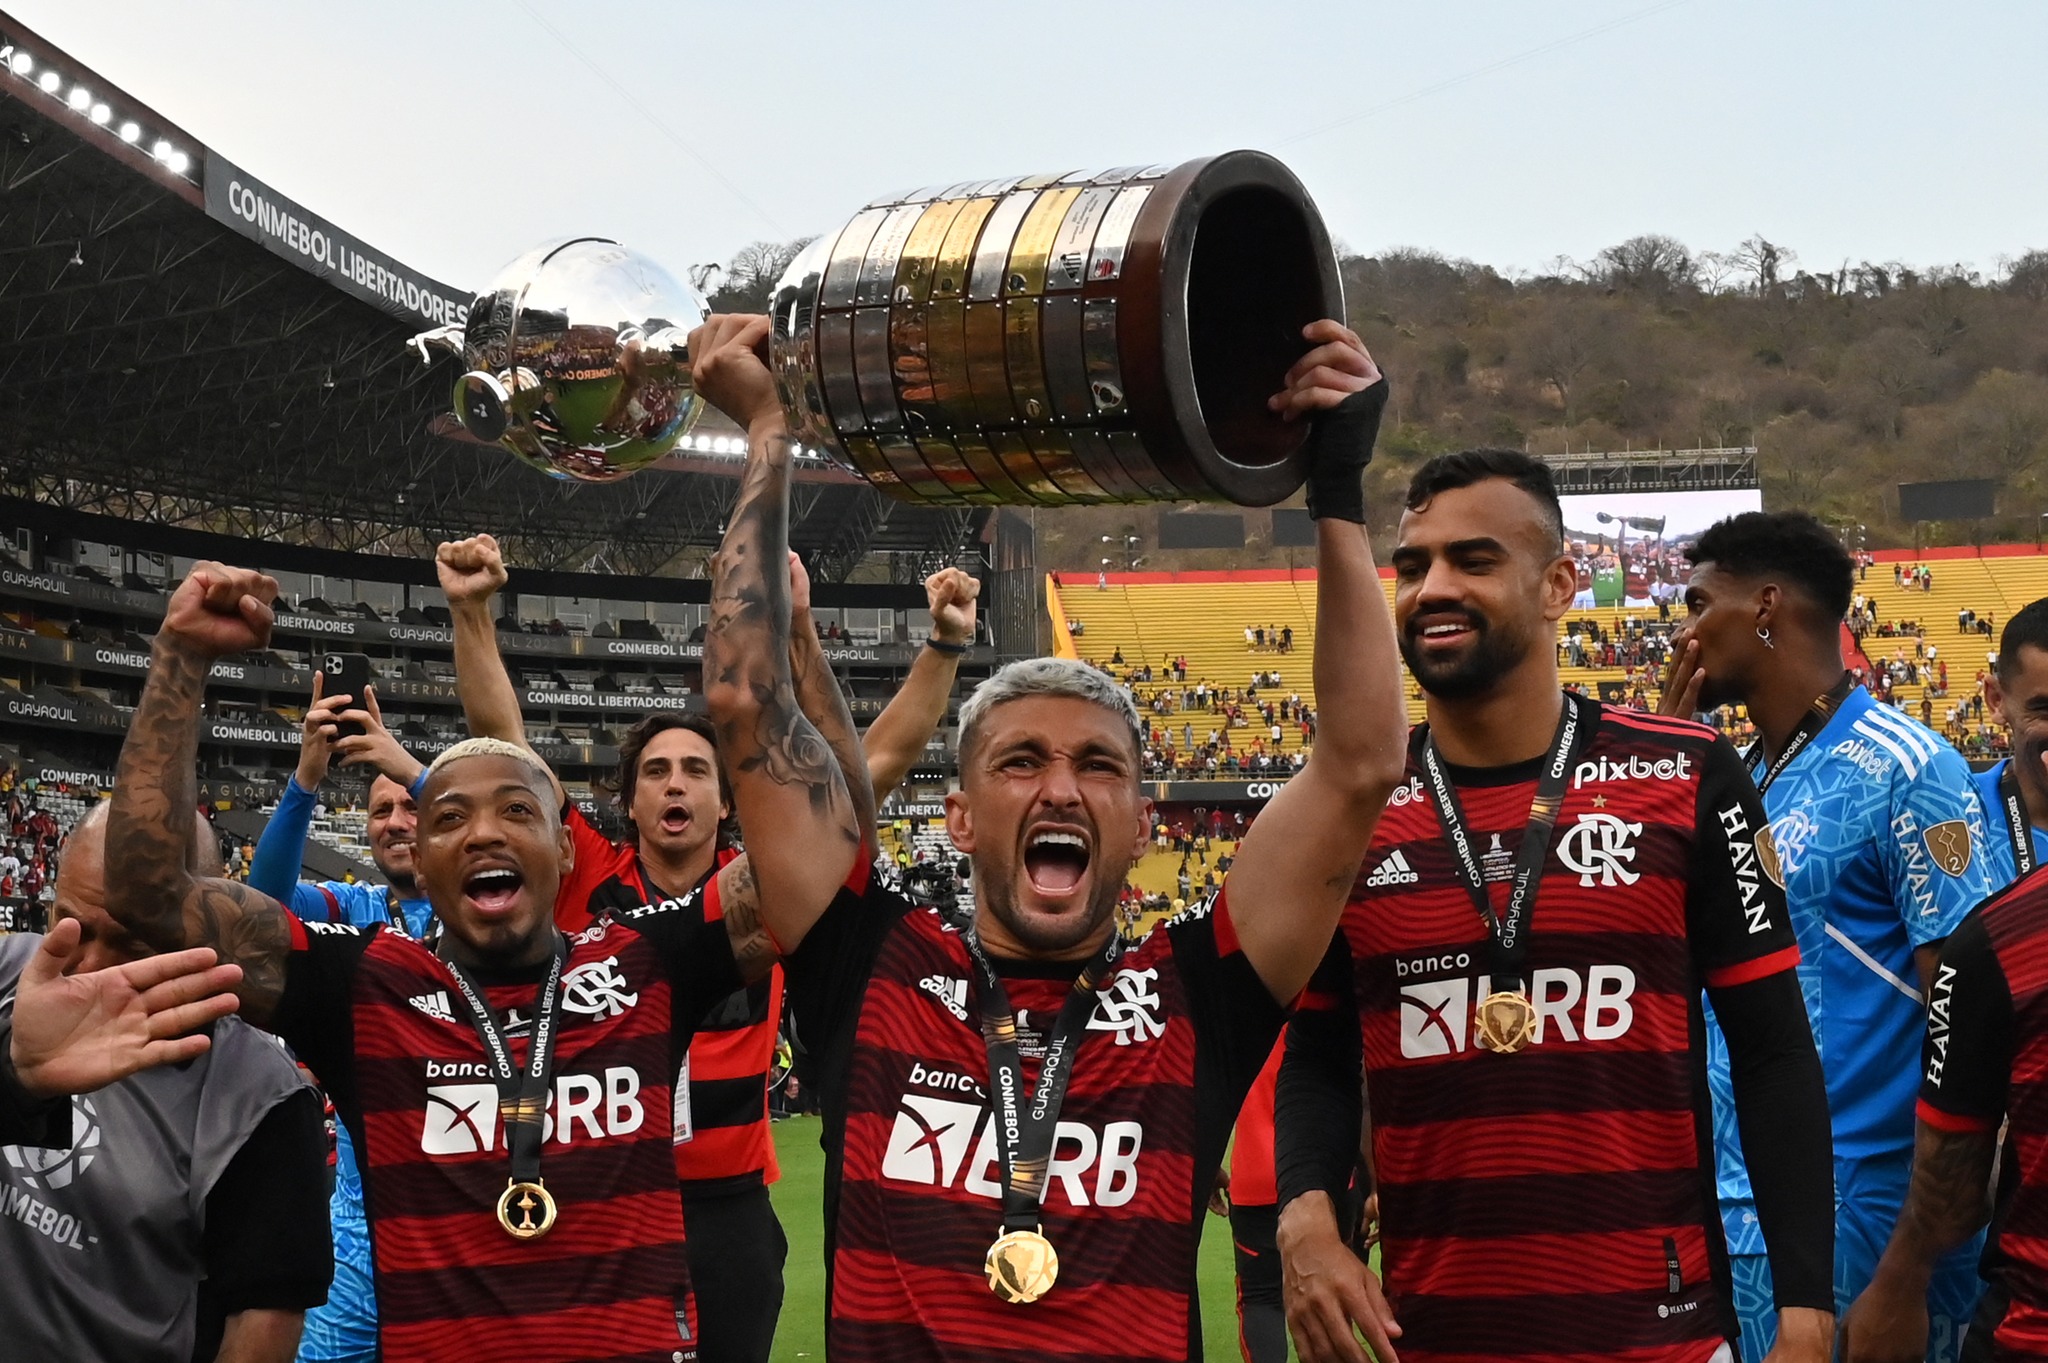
x: 1966, y: 1072
x: 1945, y: 1204
x: 819, y: 697
x: 792, y: 797
x: 152, y: 889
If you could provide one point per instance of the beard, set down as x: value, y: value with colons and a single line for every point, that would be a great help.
x: 1046, y: 936
x: 1475, y: 670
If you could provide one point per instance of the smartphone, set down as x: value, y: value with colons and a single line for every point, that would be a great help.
x: 346, y: 674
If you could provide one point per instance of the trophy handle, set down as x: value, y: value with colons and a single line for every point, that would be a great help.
x: 448, y: 338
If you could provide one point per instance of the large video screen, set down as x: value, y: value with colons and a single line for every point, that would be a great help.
x: 1631, y: 546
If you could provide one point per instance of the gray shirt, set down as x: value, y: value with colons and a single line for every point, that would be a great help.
x: 101, y: 1241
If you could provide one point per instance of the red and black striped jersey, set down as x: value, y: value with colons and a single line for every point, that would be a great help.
x: 1557, y: 1203
x: 1984, y: 1061
x: 720, y: 1122
x: 380, y: 1019
x: 882, y: 995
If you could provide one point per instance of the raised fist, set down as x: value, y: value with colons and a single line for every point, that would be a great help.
x: 950, y: 592
x: 471, y: 570
x: 727, y: 369
x: 218, y: 610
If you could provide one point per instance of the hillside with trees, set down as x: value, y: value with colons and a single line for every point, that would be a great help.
x: 1848, y: 379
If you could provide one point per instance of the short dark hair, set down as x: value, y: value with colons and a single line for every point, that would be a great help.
x: 1466, y: 467
x: 1790, y: 545
x: 635, y: 743
x: 2028, y: 628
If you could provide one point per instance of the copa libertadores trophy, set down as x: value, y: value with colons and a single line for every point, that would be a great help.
x: 1038, y: 340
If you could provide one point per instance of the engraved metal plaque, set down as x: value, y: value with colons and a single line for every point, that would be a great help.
x: 1083, y: 336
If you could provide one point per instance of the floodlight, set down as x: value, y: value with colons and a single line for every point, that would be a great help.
x: 131, y: 131
x: 50, y: 81
x: 21, y: 63
x: 161, y: 150
x: 100, y: 114
x: 80, y: 99
x: 179, y: 162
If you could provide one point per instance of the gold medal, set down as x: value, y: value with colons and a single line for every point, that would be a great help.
x: 1505, y: 1021
x: 526, y: 1210
x: 1022, y: 1266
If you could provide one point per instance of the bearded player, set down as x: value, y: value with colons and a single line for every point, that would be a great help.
x: 672, y: 790
x: 993, y: 1191
x: 2014, y: 791
x: 1519, y: 976
x: 508, y: 1090
x: 1880, y: 843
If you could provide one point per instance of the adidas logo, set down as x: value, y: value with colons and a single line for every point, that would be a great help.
x: 1395, y: 870
x: 434, y: 1005
x: 951, y: 993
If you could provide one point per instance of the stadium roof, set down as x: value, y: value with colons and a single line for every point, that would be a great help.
x: 179, y: 344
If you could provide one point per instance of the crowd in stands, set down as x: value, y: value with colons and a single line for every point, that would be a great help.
x: 1260, y: 638
x: 1634, y: 643
x: 28, y: 851
x: 1249, y: 730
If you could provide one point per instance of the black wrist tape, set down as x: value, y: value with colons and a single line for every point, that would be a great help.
x: 1339, y: 447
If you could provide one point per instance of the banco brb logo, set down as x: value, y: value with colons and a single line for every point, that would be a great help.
x: 1598, y: 845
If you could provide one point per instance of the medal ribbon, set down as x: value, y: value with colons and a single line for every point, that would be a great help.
x: 1508, y: 931
x: 1026, y: 1129
x: 2016, y: 825
x: 522, y: 1094
x: 1809, y: 728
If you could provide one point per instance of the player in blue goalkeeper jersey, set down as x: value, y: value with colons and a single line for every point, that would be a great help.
x: 1878, y: 837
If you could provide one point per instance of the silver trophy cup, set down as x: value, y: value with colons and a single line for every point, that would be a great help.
x: 575, y: 360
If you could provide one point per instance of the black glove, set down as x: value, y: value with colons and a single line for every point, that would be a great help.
x: 1339, y: 447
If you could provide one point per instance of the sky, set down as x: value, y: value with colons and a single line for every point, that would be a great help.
x: 453, y: 134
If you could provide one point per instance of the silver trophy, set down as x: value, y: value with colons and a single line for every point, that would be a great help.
x: 576, y: 360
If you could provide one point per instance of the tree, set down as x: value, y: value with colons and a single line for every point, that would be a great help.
x: 1894, y: 370
x: 1652, y: 264
x: 747, y: 282
x: 2027, y: 276
x: 1565, y: 339
x: 1802, y: 460
x: 1762, y: 261
x: 2004, y: 422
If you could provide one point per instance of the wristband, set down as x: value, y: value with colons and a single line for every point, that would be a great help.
x: 933, y: 641
x: 419, y: 783
x: 1338, y: 448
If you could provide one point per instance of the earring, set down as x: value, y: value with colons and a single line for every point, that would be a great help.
x: 1765, y: 635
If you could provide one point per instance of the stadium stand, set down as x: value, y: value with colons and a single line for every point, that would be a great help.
x: 1907, y: 634
x: 590, y: 654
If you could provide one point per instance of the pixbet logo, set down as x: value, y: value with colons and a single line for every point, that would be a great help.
x: 934, y: 1143
x: 462, y: 1119
x: 1436, y: 1015
x: 1634, y: 767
